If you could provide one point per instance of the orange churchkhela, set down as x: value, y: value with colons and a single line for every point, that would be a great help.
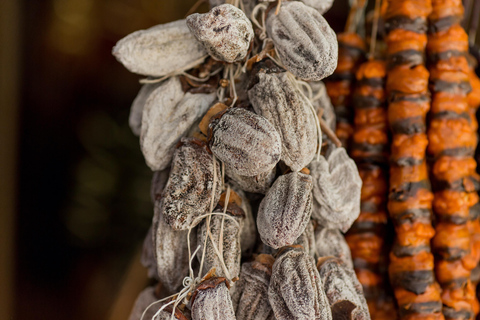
x: 411, y: 266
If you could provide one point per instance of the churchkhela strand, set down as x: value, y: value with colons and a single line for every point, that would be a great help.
x: 452, y: 143
x: 411, y: 266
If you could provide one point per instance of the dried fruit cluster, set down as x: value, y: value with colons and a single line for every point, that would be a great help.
x: 233, y: 113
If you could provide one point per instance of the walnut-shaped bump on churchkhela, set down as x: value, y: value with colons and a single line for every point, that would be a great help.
x: 296, y: 290
x: 225, y: 32
x: 188, y: 193
x: 160, y: 50
x: 246, y: 142
x: 274, y: 95
x: 286, y: 209
x: 250, y: 293
x: 321, y: 6
x: 211, y: 299
x: 307, y: 239
x: 344, y: 292
x: 336, y: 190
x: 225, y: 235
x: 168, y: 115
x: 331, y: 242
x: 306, y: 44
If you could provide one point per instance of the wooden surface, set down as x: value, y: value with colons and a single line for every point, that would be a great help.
x: 9, y: 73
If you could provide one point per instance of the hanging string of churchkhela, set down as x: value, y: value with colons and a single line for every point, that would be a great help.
x: 410, y: 199
x: 452, y: 143
x: 340, y: 85
x: 370, y: 150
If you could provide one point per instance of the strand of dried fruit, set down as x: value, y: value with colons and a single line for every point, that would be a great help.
x: 370, y: 151
x: 452, y: 142
x: 351, y: 53
x: 410, y: 198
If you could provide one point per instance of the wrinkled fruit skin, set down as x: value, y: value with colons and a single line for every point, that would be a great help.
x: 227, y: 243
x: 321, y: 6
x: 296, y: 291
x: 136, y: 111
x: 160, y: 50
x: 336, y: 190
x: 321, y: 101
x: 276, y: 98
x: 168, y: 115
x: 213, y: 303
x: 285, y: 211
x: 245, y: 141
x: 341, y: 284
x: 188, y: 192
x: 307, y: 239
x: 331, y: 242
x: 250, y: 294
x: 254, y: 184
x: 225, y: 31
x: 306, y: 44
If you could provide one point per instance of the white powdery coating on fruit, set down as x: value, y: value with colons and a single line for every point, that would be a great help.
x: 331, y: 242
x: 246, y: 142
x: 136, y: 110
x: 307, y: 239
x: 250, y: 294
x: 321, y: 6
x: 285, y: 211
x: 296, y: 291
x: 144, y: 299
x: 248, y: 5
x: 228, y: 244
x: 277, y: 99
x: 147, y: 258
x: 171, y: 253
x: 160, y: 50
x: 225, y: 31
x: 306, y: 44
x: 168, y: 115
x: 322, y: 101
x: 255, y: 184
x: 213, y: 303
x: 340, y: 283
x: 159, y: 180
x: 248, y: 232
x: 188, y: 192
x: 336, y: 190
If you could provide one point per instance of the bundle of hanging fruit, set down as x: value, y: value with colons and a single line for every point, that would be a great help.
x: 279, y: 196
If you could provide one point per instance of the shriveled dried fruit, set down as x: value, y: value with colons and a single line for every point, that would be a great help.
x: 159, y: 181
x: 144, y: 299
x: 296, y: 290
x: 136, y: 110
x: 248, y: 233
x: 331, y: 242
x: 321, y: 103
x: 245, y: 141
x: 306, y: 44
x: 225, y: 31
x: 341, y: 284
x: 170, y: 252
x: 336, y: 190
x: 254, y: 184
x: 275, y: 96
x: 211, y: 300
x: 307, y: 239
x: 167, y: 116
x: 250, y: 294
x: 160, y: 50
x: 226, y: 237
x: 148, y: 259
x: 321, y: 6
x: 285, y: 211
x: 246, y: 5
x: 188, y: 192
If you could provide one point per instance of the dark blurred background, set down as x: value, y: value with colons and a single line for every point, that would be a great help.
x: 74, y: 188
